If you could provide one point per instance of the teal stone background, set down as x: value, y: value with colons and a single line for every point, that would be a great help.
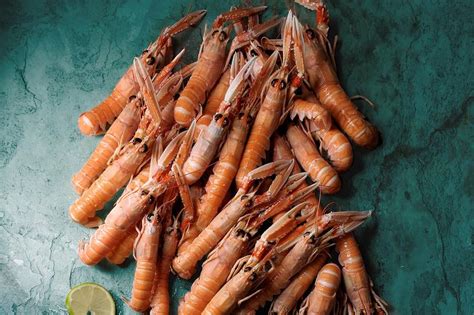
x: 414, y: 59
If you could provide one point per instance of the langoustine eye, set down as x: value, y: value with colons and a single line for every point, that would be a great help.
x: 149, y: 217
x: 150, y: 60
x: 225, y: 122
x: 222, y: 36
x: 143, y: 149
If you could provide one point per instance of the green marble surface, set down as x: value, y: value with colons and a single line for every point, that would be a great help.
x: 414, y: 59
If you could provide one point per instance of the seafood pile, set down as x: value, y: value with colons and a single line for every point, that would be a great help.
x: 224, y: 160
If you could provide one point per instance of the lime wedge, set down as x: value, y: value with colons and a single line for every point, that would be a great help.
x: 89, y: 299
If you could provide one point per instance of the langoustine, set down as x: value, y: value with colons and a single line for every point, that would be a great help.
x: 324, y: 80
x: 120, y: 132
x: 220, y: 262
x: 210, y: 64
x: 242, y: 40
x: 229, y: 158
x: 95, y: 121
x: 185, y: 263
x: 356, y: 280
x: 132, y: 155
x: 301, y: 282
x: 311, y: 160
x: 269, y: 116
x: 304, y: 251
x: 282, y: 151
x: 160, y: 300
x: 231, y: 279
x: 323, y: 297
x: 131, y: 207
x: 209, y: 139
x: 145, y: 253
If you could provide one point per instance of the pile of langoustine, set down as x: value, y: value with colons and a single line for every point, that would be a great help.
x: 177, y: 140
